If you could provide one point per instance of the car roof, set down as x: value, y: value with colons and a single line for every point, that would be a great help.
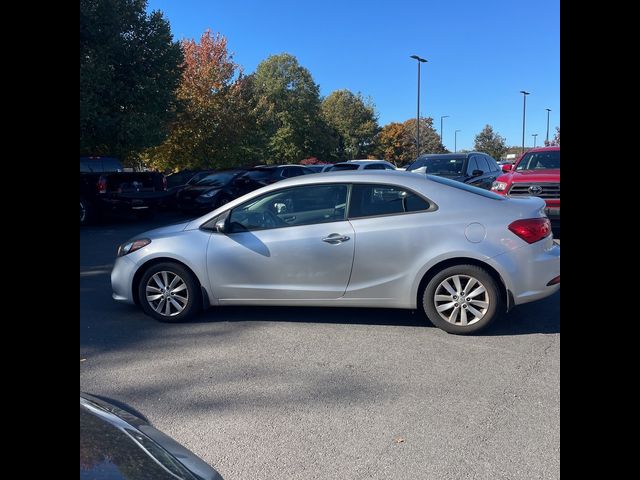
x: 544, y: 149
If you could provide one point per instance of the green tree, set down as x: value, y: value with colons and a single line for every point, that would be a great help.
x: 129, y: 70
x: 354, y: 121
x: 289, y: 124
x: 429, y: 138
x: 490, y: 142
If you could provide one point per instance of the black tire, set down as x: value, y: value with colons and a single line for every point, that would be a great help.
x: 87, y: 213
x: 194, y: 295
x: 491, y: 294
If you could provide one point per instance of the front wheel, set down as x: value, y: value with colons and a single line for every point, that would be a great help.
x: 169, y: 293
x: 462, y: 299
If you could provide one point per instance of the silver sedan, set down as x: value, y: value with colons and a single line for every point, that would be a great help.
x: 460, y: 254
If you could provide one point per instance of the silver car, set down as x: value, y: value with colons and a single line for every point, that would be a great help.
x: 383, y: 239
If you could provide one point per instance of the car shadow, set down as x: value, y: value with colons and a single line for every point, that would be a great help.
x: 537, y: 317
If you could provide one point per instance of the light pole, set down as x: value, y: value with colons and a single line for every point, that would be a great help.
x: 441, y: 137
x: 420, y: 60
x: 455, y: 141
x: 547, y: 139
x: 524, y: 109
x: 535, y: 136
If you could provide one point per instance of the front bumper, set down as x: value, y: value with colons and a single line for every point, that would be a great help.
x: 122, y: 279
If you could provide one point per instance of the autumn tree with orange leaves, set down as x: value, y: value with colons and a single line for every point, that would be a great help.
x: 215, y: 111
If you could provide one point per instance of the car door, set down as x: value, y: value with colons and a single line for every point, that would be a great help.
x: 389, y: 233
x: 292, y: 243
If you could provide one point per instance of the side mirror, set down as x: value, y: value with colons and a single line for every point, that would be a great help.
x: 477, y: 173
x: 217, y: 224
x: 221, y: 225
x: 507, y: 167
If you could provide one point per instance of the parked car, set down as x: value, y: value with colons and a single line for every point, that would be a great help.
x: 118, y: 444
x: 362, y: 165
x: 262, y: 175
x: 212, y: 190
x: 178, y: 181
x: 536, y: 173
x: 349, y: 239
x: 503, y: 163
x: 474, y: 168
x: 105, y: 187
x: 320, y: 168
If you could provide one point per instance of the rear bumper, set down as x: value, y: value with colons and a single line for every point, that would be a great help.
x: 528, y: 270
x: 122, y: 202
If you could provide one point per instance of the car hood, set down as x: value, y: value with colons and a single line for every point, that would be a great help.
x: 158, y: 232
x: 551, y: 175
x: 200, y: 189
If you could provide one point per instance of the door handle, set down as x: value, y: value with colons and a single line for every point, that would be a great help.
x: 335, y: 238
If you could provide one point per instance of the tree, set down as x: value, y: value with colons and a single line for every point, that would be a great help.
x: 354, y: 121
x: 556, y: 137
x: 429, y: 139
x: 214, y: 123
x: 491, y: 143
x: 289, y: 124
x: 129, y: 70
x: 397, y: 142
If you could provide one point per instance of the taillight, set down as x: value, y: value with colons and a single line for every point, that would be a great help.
x: 102, y: 185
x: 164, y: 182
x: 531, y: 229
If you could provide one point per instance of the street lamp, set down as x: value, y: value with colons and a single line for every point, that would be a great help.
x: 455, y: 141
x: 420, y: 60
x: 524, y: 109
x: 534, y: 135
x: 441, y: 138
x: 547, y: 139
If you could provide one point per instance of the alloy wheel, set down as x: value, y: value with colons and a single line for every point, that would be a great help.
x: 167, y: 293
x: 461, y: 300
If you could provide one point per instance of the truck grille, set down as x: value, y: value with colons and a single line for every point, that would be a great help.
x: 549, y: 190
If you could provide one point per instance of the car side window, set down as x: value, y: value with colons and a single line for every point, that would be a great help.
x: 473, y: 165
x: 369, y: 200
x: 493, y: 165
x: 483, y: 164
x: 388, y: 167
x: 304, y: 205
x: 375, y: 166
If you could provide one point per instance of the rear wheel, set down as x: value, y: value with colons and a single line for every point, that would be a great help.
x: 169, y: 293
x: 462, y: 299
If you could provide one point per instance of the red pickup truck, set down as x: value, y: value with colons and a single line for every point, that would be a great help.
x: 537, y: 174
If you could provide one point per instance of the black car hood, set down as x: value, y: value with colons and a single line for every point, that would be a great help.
x: 196, y: 190
x: 108, y: 450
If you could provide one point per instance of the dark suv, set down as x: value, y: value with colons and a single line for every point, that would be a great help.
x: 474, y: 168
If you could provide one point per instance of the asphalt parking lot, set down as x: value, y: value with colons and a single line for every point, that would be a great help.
x: 316, y: 393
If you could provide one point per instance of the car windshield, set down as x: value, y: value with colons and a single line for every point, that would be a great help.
x: 439, y: 165
x: 540, y: 160
x: 217, y: 179
x: 343, y: 166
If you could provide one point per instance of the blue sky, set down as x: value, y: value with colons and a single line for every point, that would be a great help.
x: 480, y: 54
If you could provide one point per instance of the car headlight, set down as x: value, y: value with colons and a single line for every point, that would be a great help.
x: 130, y: 247
x: 209, y: 194
x: 499, y: 186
